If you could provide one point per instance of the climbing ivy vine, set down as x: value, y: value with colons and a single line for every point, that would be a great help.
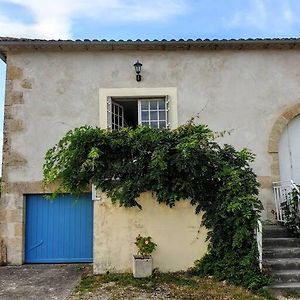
x: 185, y: 163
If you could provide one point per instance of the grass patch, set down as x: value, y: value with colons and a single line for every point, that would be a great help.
x: 175, y: 285
x: 89, y: 283
x: 291, y: 294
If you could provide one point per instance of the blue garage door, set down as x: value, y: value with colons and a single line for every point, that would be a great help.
x: 59, y: 230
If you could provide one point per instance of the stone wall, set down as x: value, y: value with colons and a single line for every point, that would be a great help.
x: 11, y: 205
x: 177, y: 232
x: 49, y: 93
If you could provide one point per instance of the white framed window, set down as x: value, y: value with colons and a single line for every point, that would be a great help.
x: 115, y: 114
x: 153, y: 112
x: 150, y: 112
x: 154, y: 107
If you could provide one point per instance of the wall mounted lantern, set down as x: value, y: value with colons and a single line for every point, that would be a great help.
x: 138, y: 69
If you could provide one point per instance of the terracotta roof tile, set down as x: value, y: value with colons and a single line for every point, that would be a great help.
x: 8, y: 44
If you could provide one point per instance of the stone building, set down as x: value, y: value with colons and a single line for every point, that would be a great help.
x: 248, y: 87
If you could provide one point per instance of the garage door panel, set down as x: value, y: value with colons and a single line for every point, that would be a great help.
x: 59, y: 230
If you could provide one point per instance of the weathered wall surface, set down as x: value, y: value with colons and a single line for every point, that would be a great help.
x: 177, y: 232
x: 49, y: 93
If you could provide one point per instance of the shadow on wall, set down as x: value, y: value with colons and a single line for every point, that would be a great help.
x: 3, y: 254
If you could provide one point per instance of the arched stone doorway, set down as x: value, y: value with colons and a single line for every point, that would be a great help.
x: 289, y: 152
x: 278, y: 139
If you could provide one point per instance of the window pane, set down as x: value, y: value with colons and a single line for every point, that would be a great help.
x: 145, y: 115
x: 161, y: 104
x: 162, y: 124
x: 154, y: 124
x: 153, y: 115
x: 153, y: 104
x: 145, y: 105
x: 162, y: 115
x: 145, y: 124
x: 120, y: 121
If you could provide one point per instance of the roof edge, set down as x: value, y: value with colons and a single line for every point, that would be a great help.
x: 3, y: 57
x: 8, y: 44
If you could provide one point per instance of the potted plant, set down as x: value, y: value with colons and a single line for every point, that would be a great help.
x: 142, y: 262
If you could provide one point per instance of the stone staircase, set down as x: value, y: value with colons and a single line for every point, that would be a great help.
x: 281, y: 257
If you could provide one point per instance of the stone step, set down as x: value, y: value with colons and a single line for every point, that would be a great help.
x: 273, y: 231
x: 292, y: 252
x: 286, y: 276
x: 282, y: 264
x: 288, y: 286
x: 280, y: 242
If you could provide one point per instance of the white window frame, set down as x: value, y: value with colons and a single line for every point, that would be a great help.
x: 110, y: 123
x: 169, y: 93
x: 166, y: 109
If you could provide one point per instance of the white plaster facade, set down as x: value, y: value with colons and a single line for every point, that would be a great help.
x: 50, y: 91
x: 180, y: 238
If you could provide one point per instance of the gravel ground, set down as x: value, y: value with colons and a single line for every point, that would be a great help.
x: 38, y: 281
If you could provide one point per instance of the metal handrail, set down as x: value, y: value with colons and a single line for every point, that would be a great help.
x: 259, y: 243
x: 294, y: 185
x: 281, y: 190
x: 281, y: 193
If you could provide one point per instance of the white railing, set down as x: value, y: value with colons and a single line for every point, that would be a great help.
x: 259, y: 243
x: 282, y: 193
x: 295, y: 186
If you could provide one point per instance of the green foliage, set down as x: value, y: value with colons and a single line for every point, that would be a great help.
x: 185, y: 163
x: 145, y: 245
x: 290, y: 209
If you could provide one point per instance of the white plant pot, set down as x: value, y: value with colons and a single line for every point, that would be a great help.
x: 142, y: 266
